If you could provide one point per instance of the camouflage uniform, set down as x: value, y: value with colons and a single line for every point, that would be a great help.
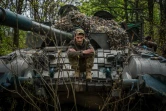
x: 164, y: 50
x: 78, y: 60
x: 150, y: 44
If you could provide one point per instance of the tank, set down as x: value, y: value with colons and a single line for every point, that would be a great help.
x: 45, y: 68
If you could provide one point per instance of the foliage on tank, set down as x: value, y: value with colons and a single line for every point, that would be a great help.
x: 75, y: 19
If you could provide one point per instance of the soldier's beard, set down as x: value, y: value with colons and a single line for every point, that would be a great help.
x: 79, y: 43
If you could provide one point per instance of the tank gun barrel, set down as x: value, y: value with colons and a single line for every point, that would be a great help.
x: 11, y: 19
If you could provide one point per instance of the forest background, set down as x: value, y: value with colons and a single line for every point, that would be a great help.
x: 151, y: 12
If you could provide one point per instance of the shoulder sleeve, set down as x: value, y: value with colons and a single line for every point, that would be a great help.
x: 89, y: 45
x: 71, y: 44
x: 73, y: 53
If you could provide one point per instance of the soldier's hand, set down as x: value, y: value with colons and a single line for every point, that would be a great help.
x: 72, y: 50
x: 88, y: 51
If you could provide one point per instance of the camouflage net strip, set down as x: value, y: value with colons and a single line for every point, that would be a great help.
x: 75, y: 19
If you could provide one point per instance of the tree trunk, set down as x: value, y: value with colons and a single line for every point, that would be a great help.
x: 150, y: 16
x: 125, y: 7
x: 19, y: 5
x: 162, y: 29
x: 136, y: 12
x: 16, y: 39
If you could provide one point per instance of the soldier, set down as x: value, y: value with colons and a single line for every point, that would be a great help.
x: 81, y: 54
x: 149, y: 43
x: 164, y: 50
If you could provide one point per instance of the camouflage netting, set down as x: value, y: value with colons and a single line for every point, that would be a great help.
x: 94, y: 25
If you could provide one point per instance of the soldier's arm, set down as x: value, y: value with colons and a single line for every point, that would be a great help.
x: 71, y: 52
x: 152, y: 43
x: 142, y: 43
x: 89, y: 51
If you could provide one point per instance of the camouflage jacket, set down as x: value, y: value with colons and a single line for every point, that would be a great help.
x: 149, y: 44
x: 78, y: 49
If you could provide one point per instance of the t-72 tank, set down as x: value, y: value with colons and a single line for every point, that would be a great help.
x: 45, y: 71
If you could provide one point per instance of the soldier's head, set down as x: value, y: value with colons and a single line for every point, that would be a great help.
x: 79, y: 36
x: 148, y: 38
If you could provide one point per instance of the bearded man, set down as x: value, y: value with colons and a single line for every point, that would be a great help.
x: 81, y: 54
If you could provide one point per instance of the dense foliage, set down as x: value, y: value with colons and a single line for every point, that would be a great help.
x: 151, y: 13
